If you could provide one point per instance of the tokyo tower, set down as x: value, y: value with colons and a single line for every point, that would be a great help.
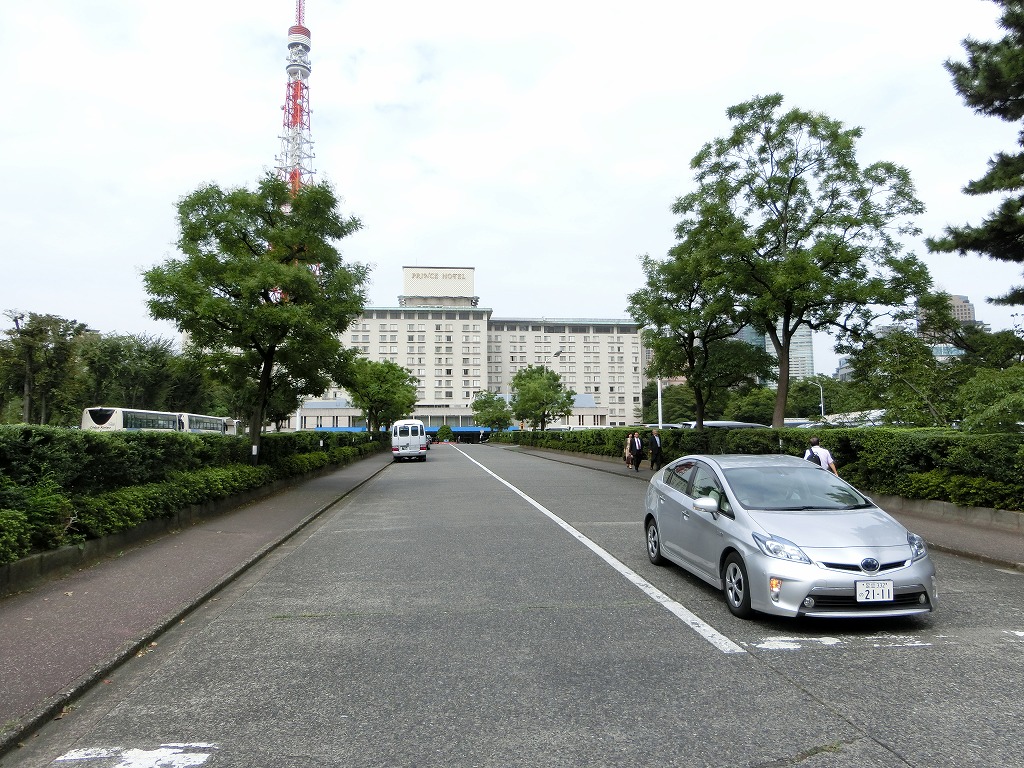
x: 295, y: 163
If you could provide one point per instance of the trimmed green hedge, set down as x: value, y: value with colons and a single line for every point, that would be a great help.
x: 15, y: 535
x: 125, y: 508
x: 943, y: 465
x: 61, y: 486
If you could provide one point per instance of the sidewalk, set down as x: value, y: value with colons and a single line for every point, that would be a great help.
x: 59, y: 637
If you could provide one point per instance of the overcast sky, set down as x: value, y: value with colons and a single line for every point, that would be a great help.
x: 542, y: 142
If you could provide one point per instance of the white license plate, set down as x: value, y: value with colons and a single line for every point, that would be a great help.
x: 874, y: 591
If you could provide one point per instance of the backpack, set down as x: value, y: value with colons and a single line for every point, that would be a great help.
x: 813, y: 457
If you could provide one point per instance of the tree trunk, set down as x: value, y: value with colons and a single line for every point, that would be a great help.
x: 779, y: 414
x: 260, y: 406
x: 698, y: 407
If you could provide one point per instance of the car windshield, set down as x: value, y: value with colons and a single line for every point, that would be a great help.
x: 790, y: 488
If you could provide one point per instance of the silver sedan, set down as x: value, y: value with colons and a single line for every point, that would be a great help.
x: 781, y: 535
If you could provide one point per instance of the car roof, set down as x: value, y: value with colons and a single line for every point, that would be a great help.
x: 733, y: 460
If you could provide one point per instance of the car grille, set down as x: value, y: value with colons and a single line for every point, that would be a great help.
x: 855, y: 567
x: 824, y: 602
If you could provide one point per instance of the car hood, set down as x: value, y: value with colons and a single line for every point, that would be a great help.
x: 833, y: 528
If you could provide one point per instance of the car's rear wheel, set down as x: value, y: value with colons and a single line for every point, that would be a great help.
x: 654, y: 543
x: 737, y: 587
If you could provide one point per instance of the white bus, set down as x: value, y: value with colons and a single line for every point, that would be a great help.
x: 107, y: 419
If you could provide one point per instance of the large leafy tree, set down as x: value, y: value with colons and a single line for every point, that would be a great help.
x: 39, y: 362
x: 688, y: 318
x: 991, y: 82
x: 806, y: 235
x: 383, y: 391
x: 127, y: 371
x: 900, y: 373
x: 993, y: 401
x: 538, y: 396
x: 754, y: 404
x: 492, y: 410
x: 677, y: 404
x: 262, y: 287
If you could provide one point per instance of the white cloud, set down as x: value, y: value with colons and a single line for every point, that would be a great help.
x: 537, y: 142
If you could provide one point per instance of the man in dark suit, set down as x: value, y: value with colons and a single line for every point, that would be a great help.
x: 657, y: 457
x: 637, y: 450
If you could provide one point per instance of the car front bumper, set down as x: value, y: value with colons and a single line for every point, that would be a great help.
x: 816, y: 590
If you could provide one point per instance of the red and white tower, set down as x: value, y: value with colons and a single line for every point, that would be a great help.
x: 295, y: 163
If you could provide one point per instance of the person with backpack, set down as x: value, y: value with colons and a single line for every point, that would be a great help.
x: 820, y: 456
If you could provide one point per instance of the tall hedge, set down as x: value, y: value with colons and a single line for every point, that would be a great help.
x: 59, y: 486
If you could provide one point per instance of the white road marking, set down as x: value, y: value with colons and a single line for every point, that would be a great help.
x: 698, y: 625
x: 788, y: 643
x: 165, y: 756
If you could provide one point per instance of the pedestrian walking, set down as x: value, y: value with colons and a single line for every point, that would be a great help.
x: 821, y: 456
x: 637, y: 447
x: 657, y: 457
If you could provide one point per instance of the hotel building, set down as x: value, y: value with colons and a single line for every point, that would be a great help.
x: 455, y: 349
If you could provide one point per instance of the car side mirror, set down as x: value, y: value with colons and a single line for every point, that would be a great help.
x: 707, y: 505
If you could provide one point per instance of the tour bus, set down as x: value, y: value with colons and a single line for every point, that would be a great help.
x: 107, y: 419
x: 408, y: 440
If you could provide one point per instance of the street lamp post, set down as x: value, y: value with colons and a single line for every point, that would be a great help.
x: 821, y: 393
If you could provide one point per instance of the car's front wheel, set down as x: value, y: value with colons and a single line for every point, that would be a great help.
x: 654, y: 543
x: 737, y: 587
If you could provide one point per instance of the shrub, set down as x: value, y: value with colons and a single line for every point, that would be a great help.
x: 50, y: 515
x: 15, y: 536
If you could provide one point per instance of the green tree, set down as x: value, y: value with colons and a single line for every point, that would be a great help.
x: 677, y: 404
x: 133, y: 371
x: 899, y: 370
x: 993, y: 401
x: 806, y: 235
x: 754, y: 404
x: 538, y: 396
x: 688, y: 319
x: 383, y: 391
x: 991, y: 82
x: 262, y: 288
x: 444, y: 432
x: 39, y: 361
x: 492, y: 410
x: 806, y: 400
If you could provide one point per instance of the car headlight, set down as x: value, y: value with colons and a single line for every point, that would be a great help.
x: 917, y: 545
x: 783, y: 549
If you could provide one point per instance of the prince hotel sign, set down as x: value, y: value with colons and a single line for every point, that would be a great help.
x: 438, y: 281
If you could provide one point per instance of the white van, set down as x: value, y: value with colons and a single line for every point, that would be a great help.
x: 408, y: 440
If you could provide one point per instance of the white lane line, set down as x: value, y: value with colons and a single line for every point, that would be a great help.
x: 698, y: 625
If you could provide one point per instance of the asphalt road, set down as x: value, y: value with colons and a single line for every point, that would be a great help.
x: 492, y: 608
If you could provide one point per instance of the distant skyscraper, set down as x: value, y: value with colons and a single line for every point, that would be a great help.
x: 962, y: 309
x: 801, y: 353
x: 801, y: 349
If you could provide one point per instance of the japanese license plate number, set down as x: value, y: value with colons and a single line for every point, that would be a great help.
x: 874, y: 591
